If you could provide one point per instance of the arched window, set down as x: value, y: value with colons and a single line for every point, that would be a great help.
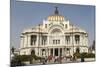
x: 32, y: 52
x: 77, y: 39
x: 56, y: 31
x: 44, y: 39
x: 77, y: 50
x: 33, y: 39
x: 67, y: 40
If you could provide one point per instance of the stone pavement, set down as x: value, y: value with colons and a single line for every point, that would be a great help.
x: 64, y: 61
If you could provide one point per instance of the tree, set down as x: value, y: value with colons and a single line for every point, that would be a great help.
x: 93, y: 45
x: 13, y: 50
x: 18, y: 60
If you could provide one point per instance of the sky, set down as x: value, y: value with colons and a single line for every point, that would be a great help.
x: 27, y: 14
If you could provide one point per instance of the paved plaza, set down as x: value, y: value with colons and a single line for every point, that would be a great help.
x: 63, y: 61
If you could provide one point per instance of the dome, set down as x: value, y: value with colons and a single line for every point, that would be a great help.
x: 56, y: 16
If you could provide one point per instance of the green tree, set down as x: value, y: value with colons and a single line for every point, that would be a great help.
x: 93, y: 45
x: 13, y: 50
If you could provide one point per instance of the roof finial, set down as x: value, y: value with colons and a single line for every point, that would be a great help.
x: 56, y: 11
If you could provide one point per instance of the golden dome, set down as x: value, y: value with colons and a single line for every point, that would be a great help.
x: 56, y: 16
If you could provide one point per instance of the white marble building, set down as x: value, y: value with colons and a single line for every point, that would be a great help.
x: 55, y: 36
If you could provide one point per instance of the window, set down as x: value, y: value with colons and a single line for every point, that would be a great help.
x: 44, y: 39
x: 67, y: 39
x: 53, y: 41
x: 33, y: 39
x: 56, y: 31
x: 77, y: 39
x: 56, y: 41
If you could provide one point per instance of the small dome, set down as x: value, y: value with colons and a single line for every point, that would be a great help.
x: 56, y: 16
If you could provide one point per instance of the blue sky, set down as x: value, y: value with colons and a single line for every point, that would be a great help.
x: 28, y: 14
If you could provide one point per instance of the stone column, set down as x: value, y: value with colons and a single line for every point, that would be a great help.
x: 40, y: 52
x: 53, y: 51
x: 49, y: 51
x: 86, y: 41
x: 82, y: 40
x: 37, y: 40
x: 80, y: 43
x: 25, y: 40
x: 29, y: 40
x: 58, y: 51
x: 72, y: 43
x: 86, y: 44
x: 71, y: 40
x: 37, y: 45
x: 21, y: 42
x: 64, y: 40
x: 48, y: 40
x: 63, y: 52
x: 71, y: 51
x: 40, y: 40
x: 46, y: 51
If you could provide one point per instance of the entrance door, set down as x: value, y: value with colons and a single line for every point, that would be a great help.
x: 51, y: 52
x: 56, y: 51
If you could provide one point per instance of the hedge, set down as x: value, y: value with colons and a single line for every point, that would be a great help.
x: 84, y: 55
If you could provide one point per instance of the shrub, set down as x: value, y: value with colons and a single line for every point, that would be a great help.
x: 84, y: 55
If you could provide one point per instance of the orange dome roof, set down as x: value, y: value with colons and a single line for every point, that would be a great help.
x: 55, y: 18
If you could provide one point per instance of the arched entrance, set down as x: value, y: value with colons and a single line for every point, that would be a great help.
x: 56, y: 51
x: 77, y: 50
x: 33, y: 52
